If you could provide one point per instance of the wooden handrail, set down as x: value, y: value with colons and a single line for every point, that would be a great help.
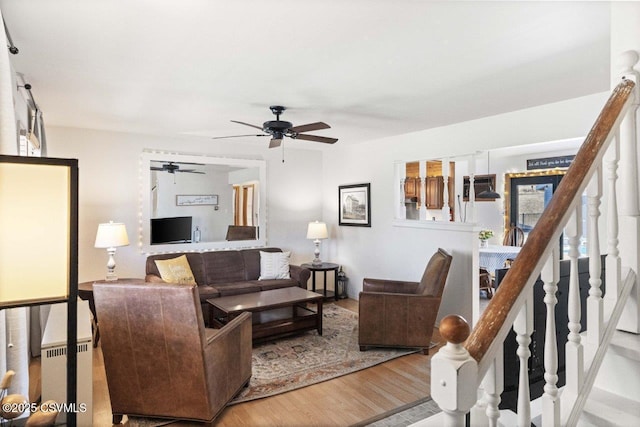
x: 495, y: 322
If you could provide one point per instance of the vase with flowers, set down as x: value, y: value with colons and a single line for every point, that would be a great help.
x: 484, y: 237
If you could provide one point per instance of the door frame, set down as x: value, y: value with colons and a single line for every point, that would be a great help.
x: 507, y: 189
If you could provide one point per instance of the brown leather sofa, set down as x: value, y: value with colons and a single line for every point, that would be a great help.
x: 159, y: 358
x: 395, y: 313
x: 222, y: 273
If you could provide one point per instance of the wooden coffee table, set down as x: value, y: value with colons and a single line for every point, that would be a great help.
x: 277, y: 312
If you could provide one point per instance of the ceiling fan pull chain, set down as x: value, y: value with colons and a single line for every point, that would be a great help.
x: 283, y: 151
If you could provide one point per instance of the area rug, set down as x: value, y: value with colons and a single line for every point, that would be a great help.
x: 288, y: 364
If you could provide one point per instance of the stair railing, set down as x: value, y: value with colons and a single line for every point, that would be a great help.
x: 473, y: 361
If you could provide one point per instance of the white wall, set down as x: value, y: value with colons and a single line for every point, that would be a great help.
x: 109, y: 166
x: 304, y: 188
x: 388, y: 251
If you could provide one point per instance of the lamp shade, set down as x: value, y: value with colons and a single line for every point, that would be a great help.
x: 111, y: 235
x: 317, y: 230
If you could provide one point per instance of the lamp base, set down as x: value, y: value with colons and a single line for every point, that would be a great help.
x: 316, y: 260
x: 111, y: 266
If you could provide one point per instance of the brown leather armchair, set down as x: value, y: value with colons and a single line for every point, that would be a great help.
x: 160, y: 360
x: 402, y: 314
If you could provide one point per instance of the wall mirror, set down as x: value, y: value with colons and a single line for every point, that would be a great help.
x: 196, y: 202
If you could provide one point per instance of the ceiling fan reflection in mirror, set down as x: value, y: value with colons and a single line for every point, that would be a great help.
x: 174, y: 167
x: 278, y: 129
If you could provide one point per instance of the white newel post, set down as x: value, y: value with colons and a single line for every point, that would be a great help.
x: 454, y: 373
x: 595, y: 316
x: 629, y: 204
x: 574, y: 351
x: 472, y: 190
x: 550, y: 400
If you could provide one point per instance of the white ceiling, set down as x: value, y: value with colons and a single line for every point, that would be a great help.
x: 369, y: 68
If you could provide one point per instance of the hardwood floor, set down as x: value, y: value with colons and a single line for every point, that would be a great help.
x: 353, y: 399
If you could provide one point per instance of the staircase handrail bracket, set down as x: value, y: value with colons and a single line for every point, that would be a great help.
x: 497, y: 319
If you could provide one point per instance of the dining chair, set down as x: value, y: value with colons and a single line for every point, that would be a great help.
x: 514, y: 236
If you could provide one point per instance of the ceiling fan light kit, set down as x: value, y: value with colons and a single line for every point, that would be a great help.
x: 278, y: 129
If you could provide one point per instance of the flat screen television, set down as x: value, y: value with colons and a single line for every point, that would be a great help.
x: 171, y: 230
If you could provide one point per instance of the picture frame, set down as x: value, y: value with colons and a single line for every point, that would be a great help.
x: 196, y: 199
x: 354, y: 205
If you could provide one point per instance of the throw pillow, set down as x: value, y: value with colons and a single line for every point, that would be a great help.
x: 176, y: 270
x: 274, y: 265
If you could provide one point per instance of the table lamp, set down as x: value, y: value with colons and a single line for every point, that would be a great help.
x: 317, y: 230
x: 110, y: 236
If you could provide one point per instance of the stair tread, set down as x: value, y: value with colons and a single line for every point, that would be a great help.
x: 626, y: 344
x: 605, y: 408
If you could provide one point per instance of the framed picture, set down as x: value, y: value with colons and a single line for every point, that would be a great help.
x: 354, y: 203
x: 196, y: 200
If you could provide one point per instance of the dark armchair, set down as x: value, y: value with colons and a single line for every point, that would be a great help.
x: 160, y: 360
x: 402, y: 314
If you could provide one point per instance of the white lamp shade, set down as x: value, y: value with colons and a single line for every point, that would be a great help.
x: 111, y: 235
x: 317, y: 230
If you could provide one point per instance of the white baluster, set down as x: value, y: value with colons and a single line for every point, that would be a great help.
x: 612, y: 261
x: 423, y: 191
x: 594, y: 301
x: 574, y: 352
x: 446, y: 209
x: 472, y: 190
x: 523, y: 327
x: 493, y: 384
x: 550, y: 399
x: 400, y: 176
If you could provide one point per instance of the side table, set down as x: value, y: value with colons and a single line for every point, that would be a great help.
x: 323, y: 267
x: 85, y: 292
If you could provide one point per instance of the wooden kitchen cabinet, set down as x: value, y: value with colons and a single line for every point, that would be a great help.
x: 435, y: 190
x: 412, y: 188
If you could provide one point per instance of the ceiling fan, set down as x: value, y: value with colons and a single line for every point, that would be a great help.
x: 173, y: 167
x: 278, y: 129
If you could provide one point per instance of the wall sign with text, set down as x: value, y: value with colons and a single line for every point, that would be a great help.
x: 550, y: 162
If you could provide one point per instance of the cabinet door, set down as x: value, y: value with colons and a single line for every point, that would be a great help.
x: 435, y: 189
x: 410, y: 188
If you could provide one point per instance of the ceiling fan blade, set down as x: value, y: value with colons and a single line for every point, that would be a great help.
x: 189, y: 171
x: 310, y: 127
x: 247, y: 124
x: 153, y: 168
x: 236, y: 136
x: 316, y: 138
x: 275, y: 142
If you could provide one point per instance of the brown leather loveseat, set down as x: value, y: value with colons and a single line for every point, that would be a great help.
x: 233, y: 272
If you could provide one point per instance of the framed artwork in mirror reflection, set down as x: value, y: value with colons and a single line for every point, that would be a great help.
x: 354, y: 205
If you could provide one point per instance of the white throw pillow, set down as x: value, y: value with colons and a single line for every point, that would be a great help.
x: 274, y: 265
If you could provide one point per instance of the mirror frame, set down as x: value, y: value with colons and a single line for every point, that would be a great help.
x: 145, y: 203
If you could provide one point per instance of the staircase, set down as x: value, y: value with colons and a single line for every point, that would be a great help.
x: 603, y: 360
